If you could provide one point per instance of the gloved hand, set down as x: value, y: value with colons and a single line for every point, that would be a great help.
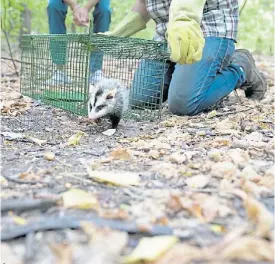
x: 130, y: 25
x: 184, y: 35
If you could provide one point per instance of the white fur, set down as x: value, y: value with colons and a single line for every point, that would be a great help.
x: 114, y: 104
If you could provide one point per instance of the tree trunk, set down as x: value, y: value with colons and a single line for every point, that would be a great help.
x: 25, y: 21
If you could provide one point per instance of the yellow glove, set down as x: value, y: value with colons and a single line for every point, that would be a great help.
x: 184, y: 35
x: 130, y: 25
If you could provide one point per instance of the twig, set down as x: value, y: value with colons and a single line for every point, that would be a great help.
x: 5, y: 58
x: 9, y: 46
x: 46, y: 223
x: 26, y: 204
x: 63, y: 163
x: 20, y: 181
x: 74, y: 176
x: 242, y: 8
x: 234, y: 112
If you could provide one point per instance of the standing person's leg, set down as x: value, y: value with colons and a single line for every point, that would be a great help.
x: 57, y: 11
x: 198, y: 86
x: 102, y: 20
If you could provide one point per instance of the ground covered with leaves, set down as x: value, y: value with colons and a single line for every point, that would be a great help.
x: 185, y: 190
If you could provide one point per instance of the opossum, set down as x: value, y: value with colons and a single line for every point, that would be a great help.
x: 108, y: 98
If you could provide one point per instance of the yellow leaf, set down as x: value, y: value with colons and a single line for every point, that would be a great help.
x: 150, y: 249
x: 74, y: 139
x: 120, y: 178
x: 19, y: 220
x: 217, y: 228
x: 212, y: 114
x: 76, y: 198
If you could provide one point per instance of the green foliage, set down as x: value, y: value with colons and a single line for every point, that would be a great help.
x: 255, y: 29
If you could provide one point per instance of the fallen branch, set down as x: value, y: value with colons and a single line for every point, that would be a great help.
x: 19, y: 205
x: 46, y: 223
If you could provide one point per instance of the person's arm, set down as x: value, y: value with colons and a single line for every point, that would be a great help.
x: 140, y: 7
x: 90, y: 4
x: 81, y: 14
x: 134, y: 22
x: 184, y: 34
x: 73, y: 5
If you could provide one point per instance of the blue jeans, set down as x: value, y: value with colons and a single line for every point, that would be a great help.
x: 57, y: 11
x: 191, y: 88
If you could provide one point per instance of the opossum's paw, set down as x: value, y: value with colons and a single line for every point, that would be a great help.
x: 98, y: 121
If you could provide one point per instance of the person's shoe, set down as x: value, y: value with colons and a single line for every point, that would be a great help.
x: 255, y: 85
x: 96, y: 77
x: 59, y: 78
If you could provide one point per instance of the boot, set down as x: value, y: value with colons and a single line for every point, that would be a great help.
x: 255, y: 85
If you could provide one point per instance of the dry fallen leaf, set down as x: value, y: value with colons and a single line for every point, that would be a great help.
x: 199, y: 181
x: 181, y: 254
x: 201, y: 205
x: 249, y: 173
x: 177, y: 158
x: 215, y: 155
x: 259, y: 215
x: 114, y: 214
x: 249, y: 248
x: 224, y: 169
x: 76, y: 198
x: 155, y: 143
x: 102, y: 250
x: 220, y: 142
x: 150, y: 249
x: 120, y: 178
x: 63, y: 253
x: 49, y: 156
x: 109, y: 132
x: 29, y: 175
x: 154, y: 154
x: 238, y: 156
x: 268, y: 179
x: 121, y: 154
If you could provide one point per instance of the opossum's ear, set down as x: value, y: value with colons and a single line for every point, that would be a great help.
x: 111, y: 94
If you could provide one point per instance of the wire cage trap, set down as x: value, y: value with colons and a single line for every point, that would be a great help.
x: 58, y: 69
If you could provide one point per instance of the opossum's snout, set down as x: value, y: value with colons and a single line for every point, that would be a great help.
x: 98, y: 111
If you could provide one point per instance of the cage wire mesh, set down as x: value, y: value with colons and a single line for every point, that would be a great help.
x: 57, y: 70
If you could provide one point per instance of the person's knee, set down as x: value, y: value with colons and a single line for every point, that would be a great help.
x: 182, y: 106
